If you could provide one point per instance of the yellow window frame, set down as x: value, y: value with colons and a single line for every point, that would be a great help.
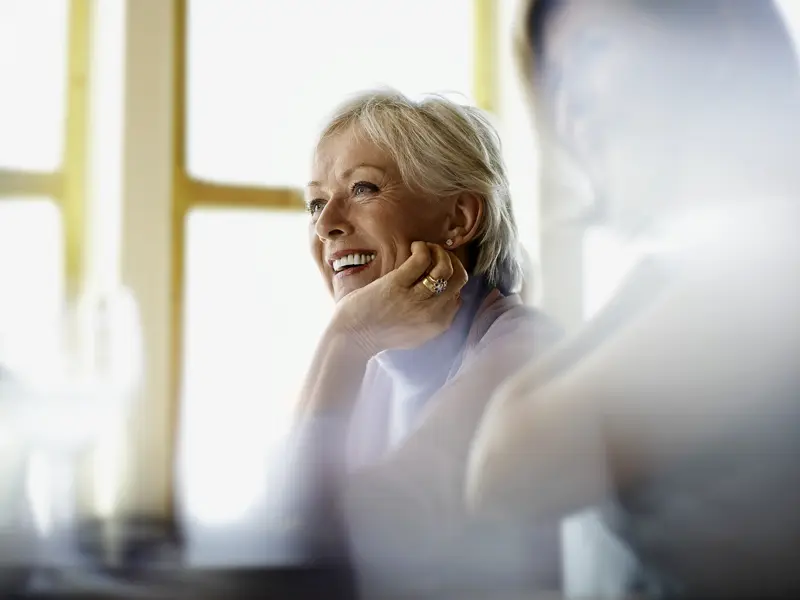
x: 67, y: 185
x: 190, y: 192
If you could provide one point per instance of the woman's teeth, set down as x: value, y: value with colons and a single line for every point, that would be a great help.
x: 352, y: 260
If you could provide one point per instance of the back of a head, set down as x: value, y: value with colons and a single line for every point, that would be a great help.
x: 747, y: 34
x: 706, y: 90
x: 721, y: 53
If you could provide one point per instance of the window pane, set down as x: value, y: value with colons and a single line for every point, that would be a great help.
x: 262, y: 75
x: 33, y: 55
x: 32, y: 282
x: 255, y: 306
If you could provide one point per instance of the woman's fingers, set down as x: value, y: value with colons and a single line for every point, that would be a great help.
x: 442, y: 267
x: 441, y: 271
x: 415, y: 267
x: 459, y: 277
x: 427, y: 263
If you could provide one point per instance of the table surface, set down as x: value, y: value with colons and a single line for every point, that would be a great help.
x: 177, y: 584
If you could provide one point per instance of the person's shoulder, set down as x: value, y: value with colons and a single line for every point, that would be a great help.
x: 508, y: 320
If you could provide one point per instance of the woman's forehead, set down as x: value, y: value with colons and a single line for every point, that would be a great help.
x: 347, y: 145
x: 347, y: 150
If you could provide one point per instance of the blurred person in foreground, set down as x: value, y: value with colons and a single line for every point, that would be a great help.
x: 676, y: 410
x: 412, y: 229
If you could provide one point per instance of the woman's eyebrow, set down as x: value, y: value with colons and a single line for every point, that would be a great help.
x: 349, y: 172
x: 352, y: 169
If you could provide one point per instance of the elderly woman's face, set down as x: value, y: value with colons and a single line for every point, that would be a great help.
x: 363, y: 217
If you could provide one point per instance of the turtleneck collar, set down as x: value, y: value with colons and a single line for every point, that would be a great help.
x: 417, y: 373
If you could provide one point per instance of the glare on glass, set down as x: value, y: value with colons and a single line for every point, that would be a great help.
x: 33, y: 60
x: 262, y: 75
x: 607, y: 259
x: 31, y: 283
x: 255, y: 306
x: 790, y: 11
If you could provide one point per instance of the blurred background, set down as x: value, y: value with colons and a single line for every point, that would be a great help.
x: 158, y: 307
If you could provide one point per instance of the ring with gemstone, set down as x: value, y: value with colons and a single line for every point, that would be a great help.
x: 436, y: 286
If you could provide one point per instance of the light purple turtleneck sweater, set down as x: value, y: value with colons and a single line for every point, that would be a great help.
x: 404, y: 523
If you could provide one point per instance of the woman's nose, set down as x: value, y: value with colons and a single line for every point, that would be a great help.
x: 333, y: 222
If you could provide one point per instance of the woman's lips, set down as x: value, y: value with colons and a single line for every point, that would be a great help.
x: 352, y: 270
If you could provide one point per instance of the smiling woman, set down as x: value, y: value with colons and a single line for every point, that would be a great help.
x: 411, y: 227
x: 252, y: 80
x: 436, y: 168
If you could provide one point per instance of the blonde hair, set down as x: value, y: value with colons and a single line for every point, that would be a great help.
x: 442, y: 148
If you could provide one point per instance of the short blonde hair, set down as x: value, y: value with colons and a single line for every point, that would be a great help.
x: 442, y: 148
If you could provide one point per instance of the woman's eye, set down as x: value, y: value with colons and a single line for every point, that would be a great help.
x: 363, y: 187
x: 314, y: 207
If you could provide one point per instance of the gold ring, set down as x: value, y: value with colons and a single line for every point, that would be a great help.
x: 436, y: 286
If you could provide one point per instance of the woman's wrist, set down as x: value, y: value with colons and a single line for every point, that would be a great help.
x: 336, y: 373
x: 355, y: 337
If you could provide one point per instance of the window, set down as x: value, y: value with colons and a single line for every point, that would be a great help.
x: 32, y: 281
x: 255, y: 307
x: 43, y: 68
x: 256, y: 79
x: 43, y: 50
x: 261, y: 76
x: 33, y: 40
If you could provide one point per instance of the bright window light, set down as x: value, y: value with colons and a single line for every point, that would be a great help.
x: 255, y: 307
x: 32, y: 284
x: 263, y: 75
x: 33, y: 44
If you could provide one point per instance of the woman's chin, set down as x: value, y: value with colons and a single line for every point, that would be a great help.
x: 344, y: 283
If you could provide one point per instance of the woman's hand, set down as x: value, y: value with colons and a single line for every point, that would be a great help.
x: 398, y: 310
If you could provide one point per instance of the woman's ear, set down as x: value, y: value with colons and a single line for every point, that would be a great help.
x: 465, y: 220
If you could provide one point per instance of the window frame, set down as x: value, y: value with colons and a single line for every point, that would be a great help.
x: 66, y: 186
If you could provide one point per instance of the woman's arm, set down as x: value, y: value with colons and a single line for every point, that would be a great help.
x: 315, y: 464
x: 697, y: 370
x: 393, y: 311
x: 336, y: 373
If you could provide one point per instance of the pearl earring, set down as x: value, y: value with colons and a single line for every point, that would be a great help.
x: 448, y: 243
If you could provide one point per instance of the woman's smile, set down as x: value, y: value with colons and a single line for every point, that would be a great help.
x: 346, y: 265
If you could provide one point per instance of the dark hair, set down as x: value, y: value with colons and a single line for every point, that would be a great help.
x: 538, y: 13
